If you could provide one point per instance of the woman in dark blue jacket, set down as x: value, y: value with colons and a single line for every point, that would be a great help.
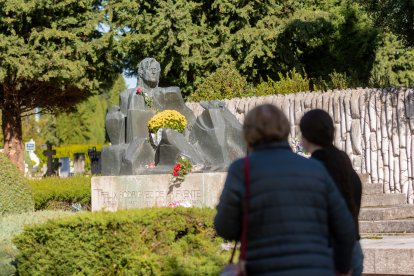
x: 294, y: 209
x: 317, y: 138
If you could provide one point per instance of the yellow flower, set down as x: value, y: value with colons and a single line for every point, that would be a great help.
x: 167, y: 119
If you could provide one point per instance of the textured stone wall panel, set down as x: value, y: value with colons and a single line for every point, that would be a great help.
x: 392, y: 168
x: 373, y: 126
x: 355, y: 111
x: 372, y: 112
x: 403, y: 165
x: 336, y: 108
x: 356, y: 137
x: 374, y: 160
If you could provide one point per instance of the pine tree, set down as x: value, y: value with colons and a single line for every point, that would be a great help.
x: 395, y: 16
x: 193, y: 38
x: 53, y: 54
x: 394, y: 63
x: 175, y: 32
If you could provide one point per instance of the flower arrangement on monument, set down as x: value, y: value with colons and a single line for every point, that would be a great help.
x: 185, y: 204
x: 180, y: 169
x: 167, y: 119
x: 151, y: 165
x: 148, y: 100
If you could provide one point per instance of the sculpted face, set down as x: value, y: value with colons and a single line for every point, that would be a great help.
x: 152, y: 73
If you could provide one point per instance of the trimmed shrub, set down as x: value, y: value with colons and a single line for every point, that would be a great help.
x: 15, y: 195
x: 292, y: 82
x: 11, y: 226
x: 225, y: 83
x: 163, y: 241
x: 61, y: 193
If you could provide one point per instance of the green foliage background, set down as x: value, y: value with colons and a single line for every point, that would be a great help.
x: 163, y: 241
x: 86, y: 125
x: 394, y: 63
x: 271, y: 46
x: 395, y: 16
x: 263, y: 39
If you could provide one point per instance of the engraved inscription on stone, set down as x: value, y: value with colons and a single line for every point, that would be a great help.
x: 112, y: 193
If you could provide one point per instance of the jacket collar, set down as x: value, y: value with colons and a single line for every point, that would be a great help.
x: 280, y: 145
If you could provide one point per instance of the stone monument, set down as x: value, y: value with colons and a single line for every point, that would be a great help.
x: 210, y: 142
x: 49, y: 152
x: 79, y: 163
x: 64, y: 170
x: 95, y: 158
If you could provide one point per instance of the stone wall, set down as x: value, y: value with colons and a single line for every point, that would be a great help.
x: 373, y: 127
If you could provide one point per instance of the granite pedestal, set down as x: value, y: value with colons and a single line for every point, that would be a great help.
x: 112, y: 193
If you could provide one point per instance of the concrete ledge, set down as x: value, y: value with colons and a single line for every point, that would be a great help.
x: 383, y: 200
x: 113, y: 193
x: 385, y: 213
x: 369, y: 189
x: 389, y: 256
x: 387, y: 226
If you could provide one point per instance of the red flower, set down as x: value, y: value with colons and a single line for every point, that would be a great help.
x: 175, y: 173
x: 177, y: 167
x: 139, y: 90
x: 152, y: 165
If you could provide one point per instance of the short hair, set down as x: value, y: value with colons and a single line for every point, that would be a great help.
x: 145, y: 64
x: 265, y: 124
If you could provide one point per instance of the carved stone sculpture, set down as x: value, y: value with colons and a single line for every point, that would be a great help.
x: 209, y: 142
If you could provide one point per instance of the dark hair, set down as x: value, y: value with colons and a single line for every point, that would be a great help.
x: 317, y: 127
x: 265, y: 124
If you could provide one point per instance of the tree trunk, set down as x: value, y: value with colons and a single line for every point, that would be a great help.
x: 12, y: 133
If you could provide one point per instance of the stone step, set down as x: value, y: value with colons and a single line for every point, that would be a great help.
x: 377, y: 200
x: 386, y: 213
x: 388, y: 255
x: 363, y: 177
x: 387, y: 226
x: 370, y: 189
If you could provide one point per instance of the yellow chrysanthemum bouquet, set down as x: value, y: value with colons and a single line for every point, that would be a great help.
x: 167, y: 119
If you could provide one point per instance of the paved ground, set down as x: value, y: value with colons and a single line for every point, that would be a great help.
x: 390, y: 255
x: 390, y: 242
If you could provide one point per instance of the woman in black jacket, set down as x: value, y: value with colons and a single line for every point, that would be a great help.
x: 317, y: 138
x: 294, y: 210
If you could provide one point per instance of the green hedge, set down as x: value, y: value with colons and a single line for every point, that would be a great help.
x: 12, y: 225
x: 163, y: 241
x: 15, y: 194
x: 61, y: 193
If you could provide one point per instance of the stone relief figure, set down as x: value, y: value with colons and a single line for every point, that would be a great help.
x: 209, y: 142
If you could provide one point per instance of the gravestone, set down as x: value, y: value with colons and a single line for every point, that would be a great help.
x: 79, y: 163
x: 64, y: 170
x: 55, y: 165
x: 95, y: 157
x: 49, y: 152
